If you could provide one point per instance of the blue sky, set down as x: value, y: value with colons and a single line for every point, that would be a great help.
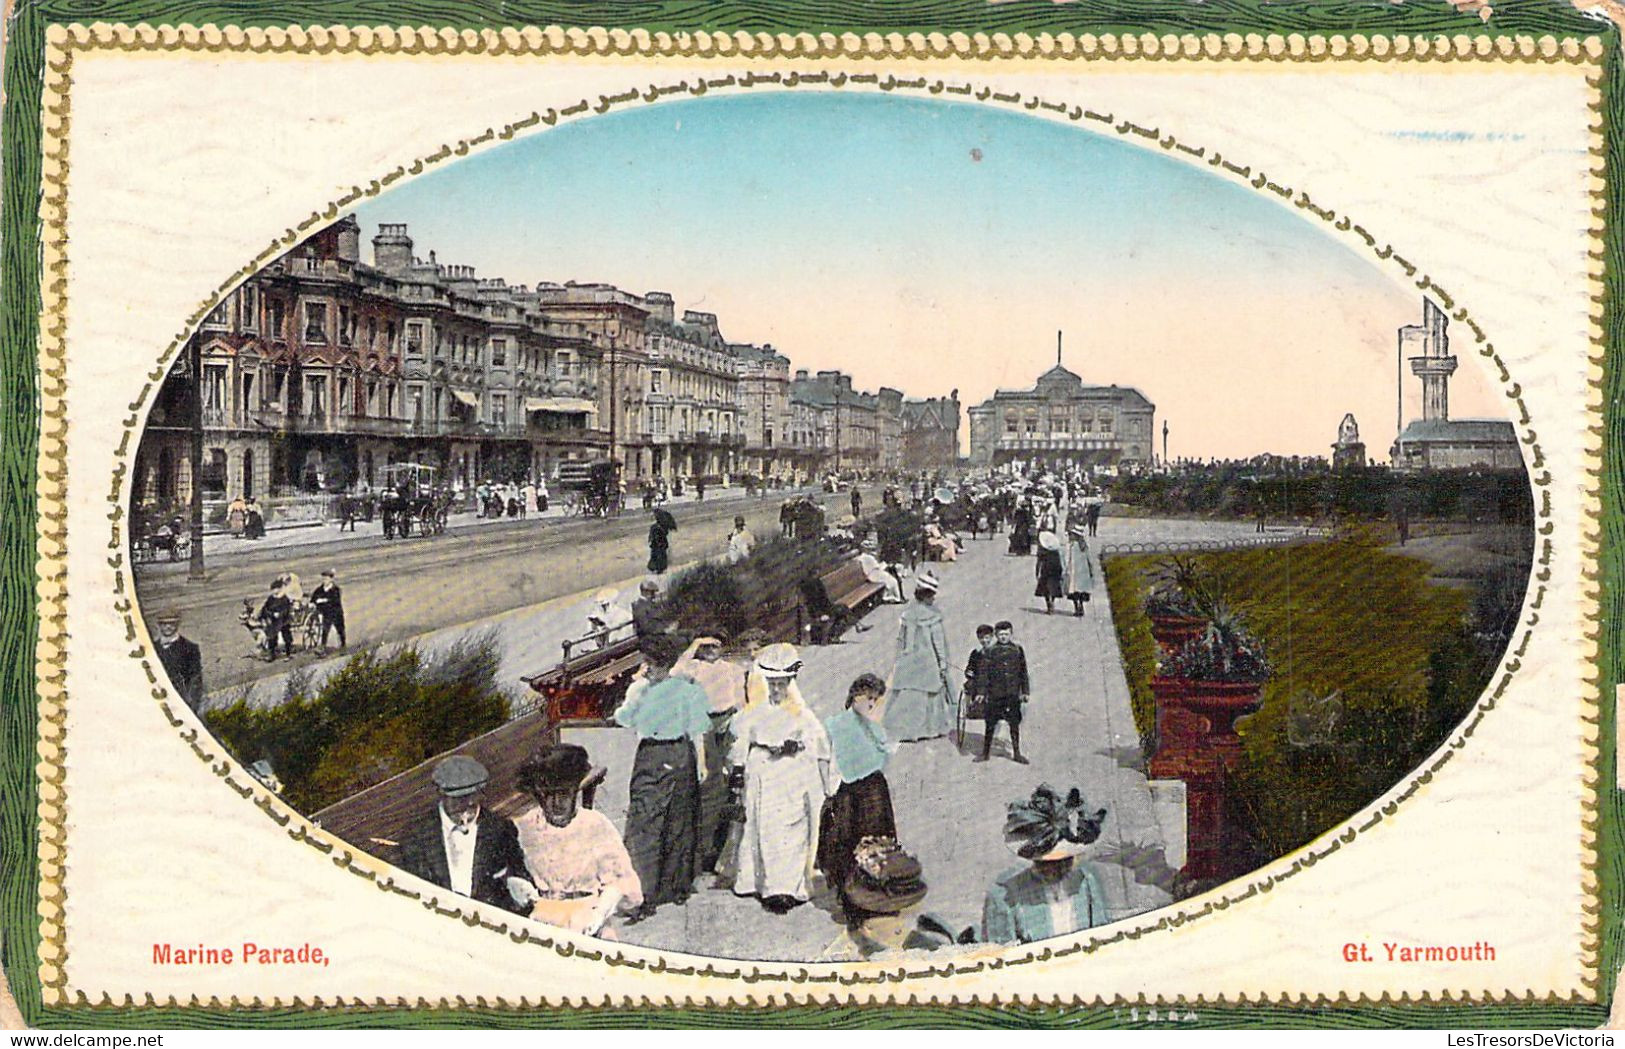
x: 931, y: 245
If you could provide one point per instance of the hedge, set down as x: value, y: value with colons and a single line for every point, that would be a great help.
x: 377, y: 715
x: 1407, y: 658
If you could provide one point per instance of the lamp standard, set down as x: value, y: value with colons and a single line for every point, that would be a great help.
x: 1165, y: 443
x: 194, y: 361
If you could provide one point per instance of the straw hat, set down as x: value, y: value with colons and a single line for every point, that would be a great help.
x: 1048, y: 541
x: 779, y: 660
x: 927, y: 580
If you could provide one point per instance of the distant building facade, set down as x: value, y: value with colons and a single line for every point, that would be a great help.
x: 1436, y: 441
x: 930, y: 433
x: 321, y: 371
x: 1061, y: 419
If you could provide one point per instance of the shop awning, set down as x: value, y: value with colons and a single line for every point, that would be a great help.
x: 468, y: 397
x: 563, y: 405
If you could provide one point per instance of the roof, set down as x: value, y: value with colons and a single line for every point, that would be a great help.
x: 1475, y: 431
x: 939, y: 413
x: 1126, y: 396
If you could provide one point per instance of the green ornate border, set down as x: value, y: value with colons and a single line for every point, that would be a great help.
x: 20, y: 296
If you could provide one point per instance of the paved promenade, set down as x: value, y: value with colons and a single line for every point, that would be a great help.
x: 950, y: 811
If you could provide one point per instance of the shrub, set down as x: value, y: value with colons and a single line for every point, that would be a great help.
x: 376, y: 716
x: 1339, y: 619
x: 761, y: 591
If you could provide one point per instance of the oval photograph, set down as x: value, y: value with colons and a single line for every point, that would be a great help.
x: 820, y: 526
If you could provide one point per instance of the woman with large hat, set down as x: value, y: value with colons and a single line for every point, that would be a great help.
x: 1056, y: 893
x: 577, y: 862
x: 921, y: 704
x: 781, y: 757
x: 1051, y: 571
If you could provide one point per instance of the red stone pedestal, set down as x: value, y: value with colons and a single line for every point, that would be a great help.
x: 1197, y: 743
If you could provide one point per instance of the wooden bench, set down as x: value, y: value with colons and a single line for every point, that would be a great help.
x: 586, y: 688
x: 837, y: 599
x: 378, y: 819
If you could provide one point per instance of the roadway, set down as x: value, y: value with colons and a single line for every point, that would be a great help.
x: 395, y: 590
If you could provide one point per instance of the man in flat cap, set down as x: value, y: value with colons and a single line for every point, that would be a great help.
x: 465, y: 849
x: 181, y: 659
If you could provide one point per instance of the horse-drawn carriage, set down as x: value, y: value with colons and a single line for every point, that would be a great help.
x: 171, y: 540
x: 597, y: 493
x: 412, y: 502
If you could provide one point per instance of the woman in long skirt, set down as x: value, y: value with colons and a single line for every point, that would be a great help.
x: 1080, y: 570
x: 861, y: 807
x: 921, y: 702
x: 1021, y: 530
x: 783, y: 757
x: 672, y: 717
x: 1050, y: 571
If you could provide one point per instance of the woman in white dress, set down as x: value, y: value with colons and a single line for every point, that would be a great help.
x: 782, y: 754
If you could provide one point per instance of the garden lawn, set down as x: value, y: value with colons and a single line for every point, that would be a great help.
x: 1336, y: 618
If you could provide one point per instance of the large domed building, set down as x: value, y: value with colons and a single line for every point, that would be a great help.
x: 1062, y: 419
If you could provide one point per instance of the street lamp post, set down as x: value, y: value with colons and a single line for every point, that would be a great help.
x: 1165, y: 443
x: 195, y: 569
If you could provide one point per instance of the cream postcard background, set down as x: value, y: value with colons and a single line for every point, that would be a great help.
x: 185, y: 166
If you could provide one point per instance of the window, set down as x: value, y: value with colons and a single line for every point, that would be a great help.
x: 277, y: 322
x: 342, y: 405
x: 346, y: 325
x: 216, y: 317
x: 1012, y: 424
x: 499, y: 353
x: 315, y: 322
x: 499, y: 409
x: 277, y: 379
x: 1086, y: 421
x: 389, y: 338
x: 414, y: 340
x: 1032, y: 422
x: 214, y: 393
x: 1105, y: 423
x: 250, y: 302
x: 416, y: 393
x: 1060, y: 422
x: 372, y: 333
x: 372, y: 397
x: 316, y: 396
x: 248, y: 391
x: 655, y: 378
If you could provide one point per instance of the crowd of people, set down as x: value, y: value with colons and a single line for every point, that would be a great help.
x: 735, y: 778
x: 736, y: 785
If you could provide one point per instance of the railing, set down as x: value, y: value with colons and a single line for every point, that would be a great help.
x: 1241, y: 542
x: 1059, y: 442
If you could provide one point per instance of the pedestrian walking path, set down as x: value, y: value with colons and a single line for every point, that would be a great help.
x: 1078, y: 731
x: 217, y: 545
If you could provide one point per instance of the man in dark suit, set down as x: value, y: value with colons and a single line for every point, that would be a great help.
x: 1002, y: 677
x: 181, y: 659
x: 329, y: 602
x: 464, y: 849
